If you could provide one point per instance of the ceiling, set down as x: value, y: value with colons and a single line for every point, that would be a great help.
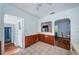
x: 45, y: 9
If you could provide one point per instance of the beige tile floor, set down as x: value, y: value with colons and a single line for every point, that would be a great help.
x: 41, y: 48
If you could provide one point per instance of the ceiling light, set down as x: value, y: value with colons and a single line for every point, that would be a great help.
x: 52, y: 13
x: 41, y: 4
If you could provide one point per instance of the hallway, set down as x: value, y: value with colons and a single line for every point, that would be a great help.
x: 11, y: 49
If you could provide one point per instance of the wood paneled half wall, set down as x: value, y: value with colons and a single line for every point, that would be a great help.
x: 29, y: 40
x: 49, y: 39
x: 0, y: 47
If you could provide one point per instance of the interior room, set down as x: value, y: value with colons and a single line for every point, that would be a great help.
x: 39, y: 28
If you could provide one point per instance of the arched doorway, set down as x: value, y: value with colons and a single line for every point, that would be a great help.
x: 62, y: 33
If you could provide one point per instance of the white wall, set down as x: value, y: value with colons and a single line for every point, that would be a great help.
x: 0, y: 22
x: 30, y: 21
x: 1, y: 18
x: 10, y: 19
x: 1, y: 28
x: 73, y: 15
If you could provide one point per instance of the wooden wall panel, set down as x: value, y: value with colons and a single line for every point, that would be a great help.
x: 50, y: 39
x: 41, y: 37
x: 47, y: 39
x: 29, y: 40
x: 0, y: 47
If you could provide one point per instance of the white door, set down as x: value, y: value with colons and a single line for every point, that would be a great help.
x: 20, y: 32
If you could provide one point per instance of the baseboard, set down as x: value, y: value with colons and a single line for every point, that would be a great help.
x: 74, y: 51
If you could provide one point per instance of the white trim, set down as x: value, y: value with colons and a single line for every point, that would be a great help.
x: 2, y: 33
x: 21, y: 20
x: 23, y: 36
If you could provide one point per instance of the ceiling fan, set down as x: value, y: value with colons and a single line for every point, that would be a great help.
x: 39, y: 5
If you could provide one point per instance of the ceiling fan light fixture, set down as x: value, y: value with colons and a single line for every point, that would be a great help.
x: 39, y: 5
x: 52, y: 13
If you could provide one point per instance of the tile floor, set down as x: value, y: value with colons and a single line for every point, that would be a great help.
x: 41, y: 48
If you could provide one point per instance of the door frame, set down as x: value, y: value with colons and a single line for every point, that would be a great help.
x: 68, y: 19
x: 9, y: 25
x: 23, y: 39
x: 3, y: 44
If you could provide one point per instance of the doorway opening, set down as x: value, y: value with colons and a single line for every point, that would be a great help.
x: 62, y: 33
x: 7, y: 32
x: 13, y: 34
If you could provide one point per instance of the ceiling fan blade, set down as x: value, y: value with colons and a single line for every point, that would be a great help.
x: 49, y: 3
